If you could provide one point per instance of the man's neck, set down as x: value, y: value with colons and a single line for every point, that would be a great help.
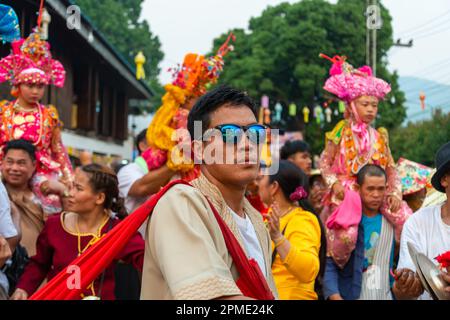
x: 18, y: 189
x: 445, y: 212
x: 370, y: 213
x: 233, y: 196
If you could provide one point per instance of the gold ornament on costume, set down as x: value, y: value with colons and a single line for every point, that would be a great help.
x: 18, y: 134
x: 19, y: 120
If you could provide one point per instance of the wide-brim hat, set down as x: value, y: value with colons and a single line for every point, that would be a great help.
x: 442, y: 162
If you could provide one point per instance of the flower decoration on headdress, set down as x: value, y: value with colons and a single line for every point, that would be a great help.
x: 413, y: 176
x: 31, y: 62
x: 197, y: 72
x: 299, y: 194
x: 9, y: 24
x: 348, y: 83
x: 191, y: 80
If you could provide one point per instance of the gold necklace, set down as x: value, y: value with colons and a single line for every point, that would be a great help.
x: 287, y: 211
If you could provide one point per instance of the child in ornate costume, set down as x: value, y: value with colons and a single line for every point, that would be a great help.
x: 191, y: 82
x: 29, y: 68
x: 352, y: 144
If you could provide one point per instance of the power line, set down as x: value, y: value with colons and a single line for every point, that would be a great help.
x: 430, y: 34
x: 434, y: 66
x: 431, y: 21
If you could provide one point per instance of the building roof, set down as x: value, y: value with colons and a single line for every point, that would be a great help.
x: 97, y: 40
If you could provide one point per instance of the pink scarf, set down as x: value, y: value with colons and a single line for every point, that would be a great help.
x: 361, y: 130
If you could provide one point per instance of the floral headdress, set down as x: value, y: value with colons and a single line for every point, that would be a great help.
x: 197, y: 72
x: 348, y: 83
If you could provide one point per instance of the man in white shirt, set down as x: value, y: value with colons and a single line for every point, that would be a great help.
x: 137, y: 183
x: 428, y: 230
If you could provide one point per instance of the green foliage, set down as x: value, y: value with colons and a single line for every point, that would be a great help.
x: 279, y: 57
x: 118, y: 21
x: 420, y: 141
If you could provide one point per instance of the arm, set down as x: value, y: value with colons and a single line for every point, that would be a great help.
x: 133, y: 253
x: 8, y: 229
x: 394, y: 183
x: 299, y: 253
x: 151, y: 183
x: 326, y: 162
x: 407, y: 286
x: 59, y: 153
x: 330, y: 281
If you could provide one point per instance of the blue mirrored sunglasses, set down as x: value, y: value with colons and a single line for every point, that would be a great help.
x: 233, y: 133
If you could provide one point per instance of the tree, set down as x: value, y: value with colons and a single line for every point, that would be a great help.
x: 118, y: 21
x: 419, y: 141
x: 278, y: 57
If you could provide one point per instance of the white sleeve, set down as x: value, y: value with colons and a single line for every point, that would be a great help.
x: 127, y: 176
x: 410, y: 233
x: 7, y: 228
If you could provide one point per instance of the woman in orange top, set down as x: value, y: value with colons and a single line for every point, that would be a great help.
x: 297, y: 233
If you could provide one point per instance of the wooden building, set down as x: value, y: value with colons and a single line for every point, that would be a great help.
x: 94, y: 102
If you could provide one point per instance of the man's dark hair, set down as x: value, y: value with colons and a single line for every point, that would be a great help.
x: 139, y: 138
x: 292, y: 147
x: 371, y: 170
x: 213, y: 100
x: 21, y: 144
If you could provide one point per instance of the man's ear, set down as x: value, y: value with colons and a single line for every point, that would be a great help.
x: 197, y: 149
x: 356, y: 187
x: 445, y: 181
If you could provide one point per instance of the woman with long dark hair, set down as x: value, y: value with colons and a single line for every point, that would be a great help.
x: 94, y: 209
x: 297, y: 233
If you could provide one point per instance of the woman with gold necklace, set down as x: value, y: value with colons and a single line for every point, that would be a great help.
x: 29, y: 69
x: 298, y: 237
x: 93, y: 198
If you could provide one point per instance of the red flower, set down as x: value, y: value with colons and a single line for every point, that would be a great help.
x: 444, y: 259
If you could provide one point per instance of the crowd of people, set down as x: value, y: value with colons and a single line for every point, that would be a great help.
x: 338, y: 229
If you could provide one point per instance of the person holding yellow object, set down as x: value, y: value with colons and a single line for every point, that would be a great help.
x: 298, y: 237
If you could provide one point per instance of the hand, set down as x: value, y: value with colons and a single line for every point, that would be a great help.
x: 338, y: 190
x: 5, y: 251
x: 394, y: 203
x: 19, y: 294
x: 407, y: 284
x: 53, y: 187
x: 335, y: 296
x: 446, y: 277
x: 273, y: 222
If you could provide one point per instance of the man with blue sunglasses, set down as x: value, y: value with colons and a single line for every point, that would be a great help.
x: 187, y: 255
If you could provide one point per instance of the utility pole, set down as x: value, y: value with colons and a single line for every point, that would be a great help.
x: 400, y: 44
x: 373, y: 23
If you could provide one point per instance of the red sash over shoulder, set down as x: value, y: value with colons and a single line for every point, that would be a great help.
x: 251, y: 282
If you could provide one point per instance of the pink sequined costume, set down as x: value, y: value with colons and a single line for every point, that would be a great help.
x: 31, y: 63
x: 349, y: 146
